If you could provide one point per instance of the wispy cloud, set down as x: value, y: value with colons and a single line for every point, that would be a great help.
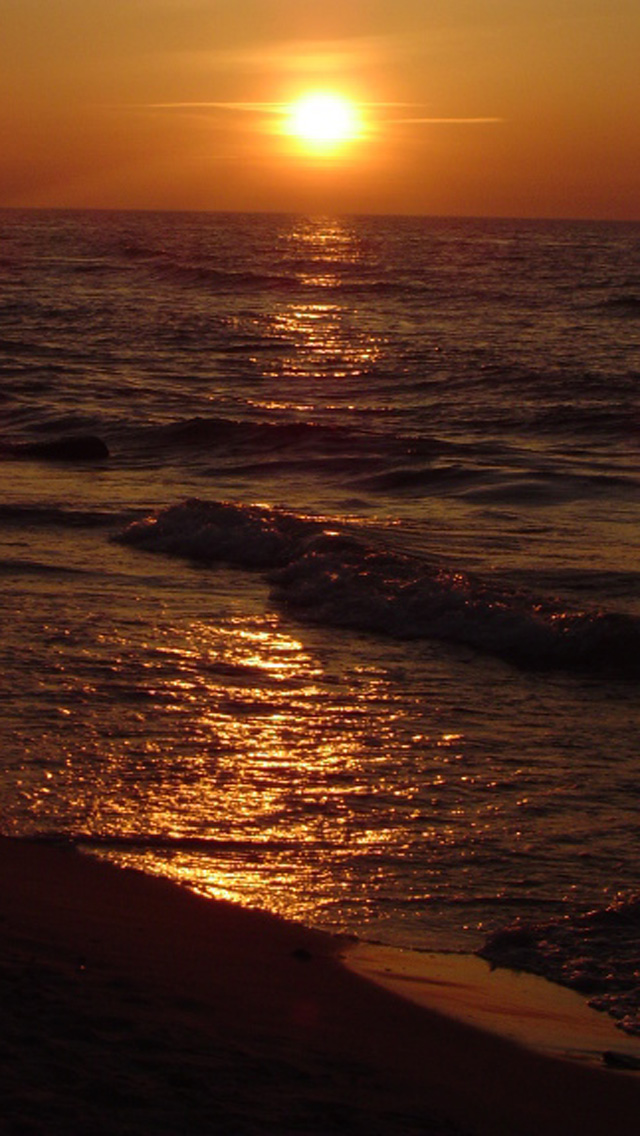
x: 276, y: 108
x: 252, y: 107
x: 443, y: 120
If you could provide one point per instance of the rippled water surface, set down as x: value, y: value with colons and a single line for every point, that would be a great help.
x: 347, y: 623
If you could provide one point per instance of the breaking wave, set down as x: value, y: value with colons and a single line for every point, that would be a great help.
x: 325, y: 573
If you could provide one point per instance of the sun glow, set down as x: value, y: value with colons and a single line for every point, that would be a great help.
x: 323, y: 122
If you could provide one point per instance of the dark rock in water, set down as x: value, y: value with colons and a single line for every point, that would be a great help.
x: 78, y: 447
x: 616, y: 1060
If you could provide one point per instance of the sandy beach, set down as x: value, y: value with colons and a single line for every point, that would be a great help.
x: 131, y: 1006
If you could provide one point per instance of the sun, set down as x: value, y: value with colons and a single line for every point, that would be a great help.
x: 323, y: 122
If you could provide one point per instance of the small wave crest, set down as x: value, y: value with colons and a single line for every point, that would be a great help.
x: 249, y: 536
x: 325, y: 573
x: 224, y: 280
x: 254, y: 437
x: 381, y: 461
x: 52, y: 516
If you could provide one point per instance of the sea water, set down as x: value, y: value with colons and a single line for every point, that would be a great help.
x: 347, y: 623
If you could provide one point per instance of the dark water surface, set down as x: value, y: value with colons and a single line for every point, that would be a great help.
x: 347, y: 624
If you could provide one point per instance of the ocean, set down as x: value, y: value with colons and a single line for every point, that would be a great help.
x: 319, y: 560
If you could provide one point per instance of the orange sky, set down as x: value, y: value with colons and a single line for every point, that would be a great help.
x: 472, y: 107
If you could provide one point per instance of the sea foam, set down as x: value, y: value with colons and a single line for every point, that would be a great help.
x: 327, y: 574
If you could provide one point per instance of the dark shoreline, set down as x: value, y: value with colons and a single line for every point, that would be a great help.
x: 134, y: 1006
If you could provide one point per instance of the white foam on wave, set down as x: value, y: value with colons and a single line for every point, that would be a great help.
x: 326, y: 574
x: 250, y: 536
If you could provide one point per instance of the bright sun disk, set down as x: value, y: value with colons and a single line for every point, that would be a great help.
x: 323, y: 121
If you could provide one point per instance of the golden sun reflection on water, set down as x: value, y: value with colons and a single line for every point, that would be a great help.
x: 322, y: 337
x: 290, y: 775
x: 319, y: 341
x: 304, y: 773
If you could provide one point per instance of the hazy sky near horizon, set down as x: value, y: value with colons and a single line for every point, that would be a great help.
x: 476, y: 107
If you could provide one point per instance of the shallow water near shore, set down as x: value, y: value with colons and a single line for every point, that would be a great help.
x: 347, y: 625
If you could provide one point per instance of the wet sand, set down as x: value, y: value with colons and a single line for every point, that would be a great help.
x: 131, y: 1006
x: 522, y: 1007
